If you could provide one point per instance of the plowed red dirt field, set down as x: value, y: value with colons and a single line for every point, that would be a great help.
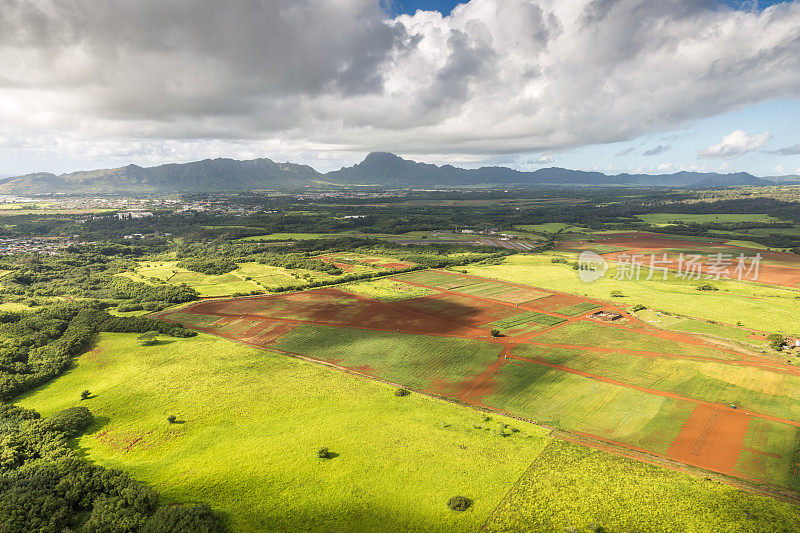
x: 622, y: 382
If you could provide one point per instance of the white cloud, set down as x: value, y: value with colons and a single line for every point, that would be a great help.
x: 494, y: 77
x: 735, y: 144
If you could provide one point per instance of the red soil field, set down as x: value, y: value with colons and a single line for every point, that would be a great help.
x: 711, y: 438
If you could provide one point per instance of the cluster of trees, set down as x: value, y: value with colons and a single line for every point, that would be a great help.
x: 45, y: 486
x: 210, y: 266
x: 126, y: 289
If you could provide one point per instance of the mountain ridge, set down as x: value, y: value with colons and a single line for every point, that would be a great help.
x: 382, y: 169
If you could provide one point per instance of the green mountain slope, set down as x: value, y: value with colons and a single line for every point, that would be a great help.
x: 206, y: 175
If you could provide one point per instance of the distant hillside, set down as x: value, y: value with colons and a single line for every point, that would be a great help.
x: 206, y: 175
x: 381, y: 169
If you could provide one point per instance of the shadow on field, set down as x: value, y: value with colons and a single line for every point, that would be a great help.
x: 438, y: 314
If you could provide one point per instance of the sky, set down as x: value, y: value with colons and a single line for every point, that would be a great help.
x: 650, y: 86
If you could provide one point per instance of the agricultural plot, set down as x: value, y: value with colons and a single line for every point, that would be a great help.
x: 593, y: 334
x: 578, y: 309
x: 577, y: 403
x: 760, y: 307
x: 439, y: 365
x: 387, y: 290
x: 700, y: 327
x: 529, y: 317
x: 492, y: 290
x: 632, y: 385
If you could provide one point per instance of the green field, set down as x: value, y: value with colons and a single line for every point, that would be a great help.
x: 700, y: 327
x: 782, y: 444
x: 416, y: 361
x: 578, y: 309
x: 437, y: 279
x: 756, y: 389
x: 664, y: 219
x: 577, y: 403
x: 386, y: 290
x: 294, y: 236
x: 585, y: 333
x: 529, y: 317
x: 766, y: 308
x: 573, y: 488
x: 251, y: 423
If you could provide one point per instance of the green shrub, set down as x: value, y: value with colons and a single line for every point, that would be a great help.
x: 459, y: 503
x: 706, y: 287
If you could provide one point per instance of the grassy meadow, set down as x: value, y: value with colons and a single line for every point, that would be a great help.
x: 248, y: 277
x: 249, y: 426
x: 665, y: 219
x: 574, y: 488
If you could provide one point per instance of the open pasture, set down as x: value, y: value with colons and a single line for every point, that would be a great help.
x: 250, y: 423
x: 624, y: 382
x: 248, y: 277
x: 666, y: 219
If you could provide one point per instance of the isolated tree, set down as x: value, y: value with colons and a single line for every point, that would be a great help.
x: 85, y: 394
x: 148, y: 338
x: 496, y: 333
x: 172, y: 419
x: 323, y: 453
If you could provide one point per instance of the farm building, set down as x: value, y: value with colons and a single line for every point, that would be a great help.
x: 607, y: 315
